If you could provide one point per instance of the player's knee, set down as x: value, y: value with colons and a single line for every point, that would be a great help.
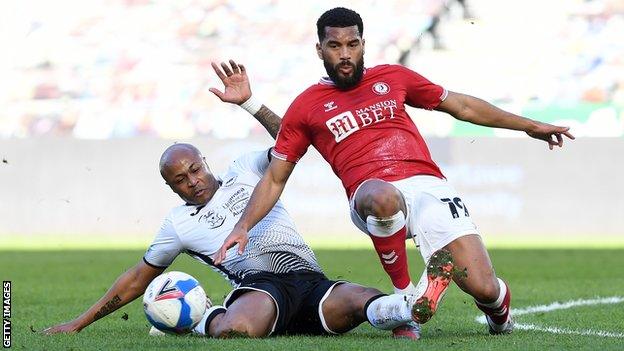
x: 487, y: 291
x: 378, y: 198
x: 350, y: 297
x: 239, y: 326
x: 345, y: 307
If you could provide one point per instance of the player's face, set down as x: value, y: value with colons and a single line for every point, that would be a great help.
x: 188, y: 176
x: 342, y: 52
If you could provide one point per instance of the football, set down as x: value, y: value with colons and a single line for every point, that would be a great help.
x: 174, y: 302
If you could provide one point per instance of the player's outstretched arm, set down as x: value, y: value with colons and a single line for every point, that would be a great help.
x: 262, y: 200
x: 126, y: 288
x: 471, y: 109
x: 237, y: 90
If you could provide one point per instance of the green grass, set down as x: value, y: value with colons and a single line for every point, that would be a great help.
x: 50, y: 287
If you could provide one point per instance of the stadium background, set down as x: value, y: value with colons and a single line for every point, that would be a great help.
x: 92, y: 92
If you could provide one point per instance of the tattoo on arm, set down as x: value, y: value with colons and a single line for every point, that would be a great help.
x: 269, y: 120
x: 109, y: 307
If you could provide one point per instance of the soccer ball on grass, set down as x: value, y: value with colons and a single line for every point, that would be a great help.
x: 174, y: 302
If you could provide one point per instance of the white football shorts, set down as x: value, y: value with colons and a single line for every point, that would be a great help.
x: 436, y: 215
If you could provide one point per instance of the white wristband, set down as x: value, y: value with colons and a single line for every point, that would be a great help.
x: 252, y: 105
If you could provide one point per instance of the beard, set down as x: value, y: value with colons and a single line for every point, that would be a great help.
x: 345, y: 83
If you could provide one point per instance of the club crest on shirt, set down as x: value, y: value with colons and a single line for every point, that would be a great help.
x: 381, y: 88
x: 212, y: 219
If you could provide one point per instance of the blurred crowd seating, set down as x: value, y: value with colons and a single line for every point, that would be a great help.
x: 127, y: 68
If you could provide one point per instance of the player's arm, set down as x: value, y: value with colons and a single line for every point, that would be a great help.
x: 238, y: 91
x: 471, y: 109
x: 125, y: 289
x: 262, y: 200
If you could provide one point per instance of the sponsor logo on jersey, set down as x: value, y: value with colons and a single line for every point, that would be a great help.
x: 237, y: 202
x: 330, y: 106
x: 381, y: 88
x: 348, y: 123
x: 213, y: 219
x: 342, y: 125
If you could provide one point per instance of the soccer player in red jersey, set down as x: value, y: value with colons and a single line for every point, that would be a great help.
x: 357, y: 121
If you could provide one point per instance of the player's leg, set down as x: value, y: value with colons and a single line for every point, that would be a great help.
x: 378, y: 208
x: 347, y: 305
x: 251, y: 314
x: 491, y: 294
x: 440, y: 219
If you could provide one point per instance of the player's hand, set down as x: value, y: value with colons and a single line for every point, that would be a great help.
x: 237, y: 236
x: 551, y: 134
x: 65, y: 328
x: 235, y: 82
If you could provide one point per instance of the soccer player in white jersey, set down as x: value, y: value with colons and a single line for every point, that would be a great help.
x: 276, y: 276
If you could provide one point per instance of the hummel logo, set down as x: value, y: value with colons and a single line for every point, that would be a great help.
x: 390, y: 257
x: 501, y: 312
x: 330, y: 106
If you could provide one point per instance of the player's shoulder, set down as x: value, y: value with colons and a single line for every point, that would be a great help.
x: 386, y: 68
x: 395, y: 73
x: 246, y: 170
x: 233, y: 176
x: 180, y: 211
x: 308, y: 97
x: 323, y: 84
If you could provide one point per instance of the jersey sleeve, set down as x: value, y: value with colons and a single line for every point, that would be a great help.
x: 293, y: 137
x: 165, y: 247
x: 256, y: 162
x: 421, y: 93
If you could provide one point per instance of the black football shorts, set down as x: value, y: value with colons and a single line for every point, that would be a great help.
x: 297, y: 296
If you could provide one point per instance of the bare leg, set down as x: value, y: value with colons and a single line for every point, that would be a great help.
x: 378, y: 198
x: 492, y: 295
x: 252, y: 314
x: 469, y: 253
x: 348, y: 305
x: 382, y: 207
x: 344, y: 307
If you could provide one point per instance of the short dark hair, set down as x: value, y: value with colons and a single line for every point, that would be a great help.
x: 339, y: 17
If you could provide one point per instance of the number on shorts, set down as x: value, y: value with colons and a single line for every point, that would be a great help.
x: 454, y: 204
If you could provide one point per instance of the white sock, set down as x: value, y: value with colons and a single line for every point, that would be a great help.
x: 410, y: 289
x: 389, y: 312
x: 210, y: 313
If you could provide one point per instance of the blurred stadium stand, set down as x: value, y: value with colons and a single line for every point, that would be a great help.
x: 93, y: 91
x: 117, y: 69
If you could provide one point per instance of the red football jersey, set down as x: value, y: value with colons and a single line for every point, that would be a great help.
x: 363, y: 132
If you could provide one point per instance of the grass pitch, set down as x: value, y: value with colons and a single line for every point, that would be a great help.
x: 50, y: 287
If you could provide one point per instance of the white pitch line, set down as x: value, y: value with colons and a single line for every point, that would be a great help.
x: 561, y: 306
x: 565, y: 305
x: 554, y: 330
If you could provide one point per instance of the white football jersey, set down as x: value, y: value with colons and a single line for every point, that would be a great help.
x: 274, y: 243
